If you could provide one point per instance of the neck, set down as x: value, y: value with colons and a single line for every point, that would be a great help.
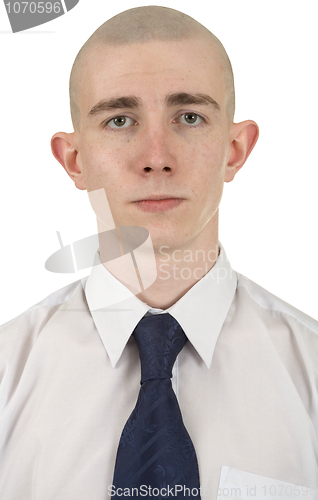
x: 178, y: 268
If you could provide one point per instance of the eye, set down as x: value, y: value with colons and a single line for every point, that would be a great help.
x: 120, y: 122
x: 190, y: 119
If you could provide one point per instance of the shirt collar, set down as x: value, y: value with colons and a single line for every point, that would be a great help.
x: 201, y: 312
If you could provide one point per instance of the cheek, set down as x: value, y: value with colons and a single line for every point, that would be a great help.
x: 209, y: 174
x: 100, y: 164
x: 210, y: 159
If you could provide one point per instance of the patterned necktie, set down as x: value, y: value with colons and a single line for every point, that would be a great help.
x: 155, y: 450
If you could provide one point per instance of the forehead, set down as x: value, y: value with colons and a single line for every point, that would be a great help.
x: 151, y: 71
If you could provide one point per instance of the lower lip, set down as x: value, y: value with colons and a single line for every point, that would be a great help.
x: 158, y: 205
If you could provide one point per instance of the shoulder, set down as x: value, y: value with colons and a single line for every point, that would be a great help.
x: 21, y: 332
x: 275, y: 307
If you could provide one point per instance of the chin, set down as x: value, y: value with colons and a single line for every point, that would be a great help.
x: 162, y: 232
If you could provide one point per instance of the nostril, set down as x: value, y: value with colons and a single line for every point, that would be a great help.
x: 167, y: 169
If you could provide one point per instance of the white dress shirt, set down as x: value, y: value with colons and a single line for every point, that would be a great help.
x: 246, y: 383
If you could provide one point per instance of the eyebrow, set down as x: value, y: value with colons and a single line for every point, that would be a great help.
x: 115, y: 103
x: 176, y: 99
x: 182, y: 98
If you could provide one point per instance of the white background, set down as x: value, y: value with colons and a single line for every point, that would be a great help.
x: 268, y: 215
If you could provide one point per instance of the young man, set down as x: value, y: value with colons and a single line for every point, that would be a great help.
x: 152, y: 101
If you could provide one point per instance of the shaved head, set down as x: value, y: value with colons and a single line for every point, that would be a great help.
x: 147, y: 24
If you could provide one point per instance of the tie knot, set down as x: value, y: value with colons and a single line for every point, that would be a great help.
x: 160, y: 338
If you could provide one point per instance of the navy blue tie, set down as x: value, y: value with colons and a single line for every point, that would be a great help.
x: 156, y: 455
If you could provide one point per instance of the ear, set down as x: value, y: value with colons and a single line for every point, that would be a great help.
x: 65, y: 150
x: 244, y: 136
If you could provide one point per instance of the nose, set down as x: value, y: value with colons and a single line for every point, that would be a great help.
x: 155, y: 153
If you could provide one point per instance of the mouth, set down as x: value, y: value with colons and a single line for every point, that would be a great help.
x: 158, y: 203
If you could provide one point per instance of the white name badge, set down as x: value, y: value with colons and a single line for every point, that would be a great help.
x: 236, y: 484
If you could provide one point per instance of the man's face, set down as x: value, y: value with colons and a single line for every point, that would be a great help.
x: 160, y: 142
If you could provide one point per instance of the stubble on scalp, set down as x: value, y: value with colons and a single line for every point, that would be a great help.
x: 147, y: 24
